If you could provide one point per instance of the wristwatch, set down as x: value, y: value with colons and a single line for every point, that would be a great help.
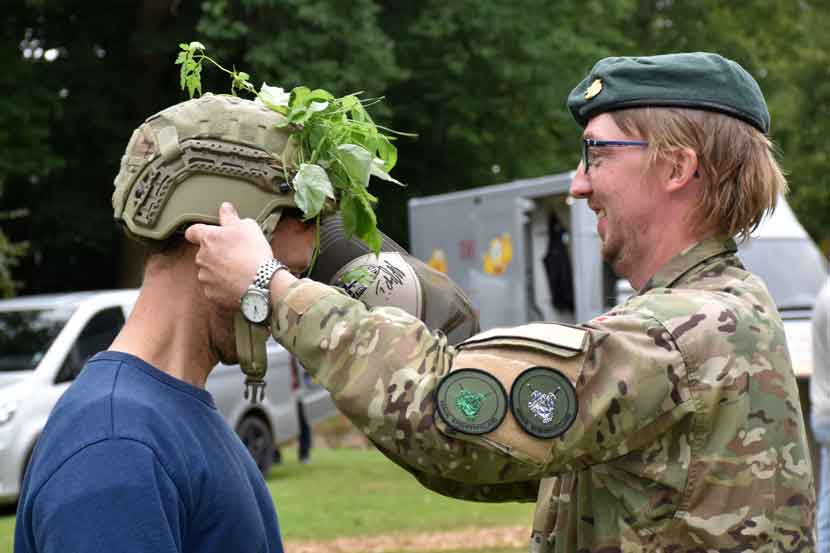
x: 255, y: 303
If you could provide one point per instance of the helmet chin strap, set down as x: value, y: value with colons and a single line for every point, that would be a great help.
x: 253, y: 356
x: 251, y: 338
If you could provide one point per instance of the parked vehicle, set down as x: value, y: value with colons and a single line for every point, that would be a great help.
x: 45, y: 340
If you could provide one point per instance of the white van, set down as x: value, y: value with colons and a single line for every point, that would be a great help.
x: 45, y: 340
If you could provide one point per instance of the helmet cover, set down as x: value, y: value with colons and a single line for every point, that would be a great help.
x: 183, y: 162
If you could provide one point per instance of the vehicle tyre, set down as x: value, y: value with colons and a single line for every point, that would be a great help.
x: 256, y: 435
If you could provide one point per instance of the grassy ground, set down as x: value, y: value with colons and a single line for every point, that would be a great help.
x: 348, y: 492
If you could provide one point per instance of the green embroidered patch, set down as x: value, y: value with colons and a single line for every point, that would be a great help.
x: 471, y: 401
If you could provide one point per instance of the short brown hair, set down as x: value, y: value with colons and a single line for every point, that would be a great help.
x: 742, y: 179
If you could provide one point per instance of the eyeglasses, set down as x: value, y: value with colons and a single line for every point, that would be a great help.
x: 588, y: 143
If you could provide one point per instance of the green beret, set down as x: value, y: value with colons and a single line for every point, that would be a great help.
x: 696, y: 80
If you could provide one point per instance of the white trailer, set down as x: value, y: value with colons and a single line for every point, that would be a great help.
x: 493, y: 242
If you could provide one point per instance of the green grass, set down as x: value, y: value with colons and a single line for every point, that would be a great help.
x: 357, y: 492
x: 6, y: 529
x: 349, y: 492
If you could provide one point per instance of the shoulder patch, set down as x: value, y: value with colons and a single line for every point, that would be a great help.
x: 471, y: 401
x: 543, y: 402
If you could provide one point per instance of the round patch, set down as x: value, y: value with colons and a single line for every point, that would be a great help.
x: 471, y: 401
x: 386, y: 279
x: 543, y: 401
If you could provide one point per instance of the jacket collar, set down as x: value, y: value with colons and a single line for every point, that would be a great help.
x: 688, y: 259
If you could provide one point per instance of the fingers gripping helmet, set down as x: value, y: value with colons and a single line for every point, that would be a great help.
x: 183, y: 162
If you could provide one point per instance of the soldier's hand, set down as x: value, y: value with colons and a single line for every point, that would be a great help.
x: 229, y: 255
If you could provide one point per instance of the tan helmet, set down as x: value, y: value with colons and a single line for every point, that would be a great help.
x: 184, y: 161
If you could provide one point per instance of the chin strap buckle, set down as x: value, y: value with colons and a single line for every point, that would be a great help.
x: 254, y: 389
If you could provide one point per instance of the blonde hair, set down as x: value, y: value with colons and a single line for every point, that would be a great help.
x: 741, y: 179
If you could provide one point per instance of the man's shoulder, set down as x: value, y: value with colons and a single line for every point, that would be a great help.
x: 711, y: 317
x: 97, y: 408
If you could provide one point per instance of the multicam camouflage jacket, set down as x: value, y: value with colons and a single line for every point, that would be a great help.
x: 688, y: 437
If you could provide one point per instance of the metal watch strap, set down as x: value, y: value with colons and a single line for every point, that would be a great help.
x: 265, y: 271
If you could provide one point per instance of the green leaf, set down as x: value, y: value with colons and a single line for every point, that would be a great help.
x: 387, y: 152
x: 357, y: 161
x: 349, y: 102
x: 366, y: 219
x: 311, y: 188
x: 373, y: 239
x: 349, y: 214
x: 377, y: 171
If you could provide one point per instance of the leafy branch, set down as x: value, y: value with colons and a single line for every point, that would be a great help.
x: 340, y: 146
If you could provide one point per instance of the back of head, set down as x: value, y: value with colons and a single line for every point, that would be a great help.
x: 700, y: 101
x: 183, y: 162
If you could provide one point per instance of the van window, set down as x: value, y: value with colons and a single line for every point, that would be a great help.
x: 96, y: 336
x: 792, y: 269
x: 26, y: 335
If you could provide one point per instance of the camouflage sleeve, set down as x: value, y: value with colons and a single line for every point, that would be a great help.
x: 381, y: 367
x: 632, y: 389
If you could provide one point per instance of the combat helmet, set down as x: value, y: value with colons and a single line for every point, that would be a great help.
x: 183, y: 162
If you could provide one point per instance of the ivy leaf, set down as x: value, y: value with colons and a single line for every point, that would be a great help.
x: 357, y: 161
x: 311, y: 188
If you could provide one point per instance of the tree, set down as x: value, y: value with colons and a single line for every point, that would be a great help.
x: 483, y: 84
x: 73, y: 112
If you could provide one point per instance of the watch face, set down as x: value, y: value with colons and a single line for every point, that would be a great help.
x: 254, y: 306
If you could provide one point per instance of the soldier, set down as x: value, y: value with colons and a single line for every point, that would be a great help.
x: 671, y: 422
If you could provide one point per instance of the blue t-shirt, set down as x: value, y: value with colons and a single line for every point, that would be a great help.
x: 135, y: 460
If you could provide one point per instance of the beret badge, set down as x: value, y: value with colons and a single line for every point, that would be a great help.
x: 594, y: 89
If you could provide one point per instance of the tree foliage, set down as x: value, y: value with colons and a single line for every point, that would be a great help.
x: 483, y: 84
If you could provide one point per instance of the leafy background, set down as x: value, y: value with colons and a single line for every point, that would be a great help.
x: 483, y: 84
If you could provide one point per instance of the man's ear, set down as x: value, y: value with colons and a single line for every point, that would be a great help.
x: 685, y: 168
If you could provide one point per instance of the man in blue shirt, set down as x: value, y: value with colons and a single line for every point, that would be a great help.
x: 135, y: 456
